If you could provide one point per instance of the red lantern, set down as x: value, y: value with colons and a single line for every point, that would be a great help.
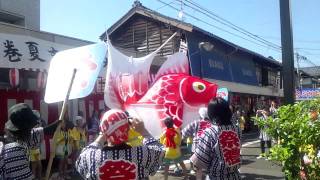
x: 14, y: 77
x: 41, y: 80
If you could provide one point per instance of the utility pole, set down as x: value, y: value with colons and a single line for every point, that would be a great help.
x: 287, y: 52
x: 298, y: 73
x: 298, y: 58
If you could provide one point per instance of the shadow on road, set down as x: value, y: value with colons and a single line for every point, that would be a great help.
x: 246, y: 161
x: 247, y: 147
x: 246, y: 176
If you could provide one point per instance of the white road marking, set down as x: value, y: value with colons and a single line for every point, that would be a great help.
x: 185, y: 162
x: 250, y: 143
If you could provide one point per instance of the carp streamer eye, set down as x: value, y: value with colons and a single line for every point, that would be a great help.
x: 198, y: 87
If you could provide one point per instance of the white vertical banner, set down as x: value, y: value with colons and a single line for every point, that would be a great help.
x: 43, y: 150
x: 74, y: 107
x: 59, y: 107
x: 44, y: 111
x: 82, y: 108
x: 29, y: 102
x: 91, y: 108
x: 101, y: 104
x: 10, y: 103
x: 70, y: 111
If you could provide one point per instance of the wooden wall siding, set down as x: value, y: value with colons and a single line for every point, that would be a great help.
x: 141, y: 36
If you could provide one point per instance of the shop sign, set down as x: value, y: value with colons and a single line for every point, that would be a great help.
x: 19, y: 51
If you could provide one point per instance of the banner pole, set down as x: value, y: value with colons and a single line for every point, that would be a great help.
x: 63, y: 111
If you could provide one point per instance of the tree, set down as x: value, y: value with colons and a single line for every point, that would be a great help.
x: 297, y: 129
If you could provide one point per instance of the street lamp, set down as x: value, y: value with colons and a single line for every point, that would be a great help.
x: 206, y: 46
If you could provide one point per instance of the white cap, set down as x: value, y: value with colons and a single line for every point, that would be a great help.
x: 203, y: 112
x: 77, y: 118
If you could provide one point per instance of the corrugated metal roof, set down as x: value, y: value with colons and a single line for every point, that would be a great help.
x: 313, y: 71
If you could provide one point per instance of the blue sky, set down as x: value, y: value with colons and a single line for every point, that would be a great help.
x: 87, y: 19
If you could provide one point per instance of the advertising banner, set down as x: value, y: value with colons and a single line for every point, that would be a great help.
x: 307, y: 93
x: 243, y: 70
x: 26, y: 52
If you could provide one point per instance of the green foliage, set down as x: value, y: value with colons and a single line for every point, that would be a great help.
x: 297, y: 133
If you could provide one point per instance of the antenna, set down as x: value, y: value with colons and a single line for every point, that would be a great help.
x: 106, y: 37
x: 181, y: 14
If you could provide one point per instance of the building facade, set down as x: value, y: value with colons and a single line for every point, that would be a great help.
x: 24, y: 13
x: 309, y: 77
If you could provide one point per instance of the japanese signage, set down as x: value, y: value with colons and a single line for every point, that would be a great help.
x: 243, y: 70
x: 215, y: 64
x: 307, y: 93
x: 18, y: 51
x: 247, y: 72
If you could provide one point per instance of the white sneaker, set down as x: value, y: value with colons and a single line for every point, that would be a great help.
x: 192, y: 172
x: 177, y: 171
x: 260, y: 157
x: 161, y: 169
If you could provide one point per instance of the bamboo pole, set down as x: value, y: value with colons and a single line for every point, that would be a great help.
x: 63, y: 110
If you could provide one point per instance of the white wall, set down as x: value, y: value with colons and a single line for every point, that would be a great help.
x: 30, y: 9
x: 17, y: 30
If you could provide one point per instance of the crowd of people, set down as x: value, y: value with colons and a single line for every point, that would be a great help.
x: 118, y: 146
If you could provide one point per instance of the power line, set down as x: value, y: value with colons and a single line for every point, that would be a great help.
x: 298, y: 40
x: 229, y: 24
x: 310, y: 49
x: 219, y: 28
x: 305, y: 59
x: 164, y: 5
x: 308, y: 53
x: 232, y: 26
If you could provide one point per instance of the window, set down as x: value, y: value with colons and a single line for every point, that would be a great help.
x: 11, y: 18
x: 258, y: 74
x: 272, y: 78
